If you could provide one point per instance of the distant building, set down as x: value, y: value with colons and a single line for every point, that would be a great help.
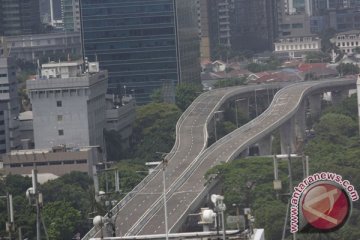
x: 142, y: 43
x: 19, y: 17
x: 296, y: 47
x: 57, y: 160
x: 68, y: 105
x: 70, y: 13
x: 218, y: 27
x: 347, y: 41
x: 39, y: 46
x: 203, y: 15
x: 26, y: 130
x: 9, y: 104
x: 120, y: 116
x: 254, y: 25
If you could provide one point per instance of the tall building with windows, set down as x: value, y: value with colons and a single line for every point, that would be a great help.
x: 19, y: 17
x: 142, y: 44
x: 255, y: 25
x: 70, y: 13
x: 9, y: 105
x: 68, y: 105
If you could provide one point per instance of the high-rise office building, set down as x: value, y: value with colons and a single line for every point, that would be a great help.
x: 9, y: 105
x: 70, y: 12
x: 219, y: 17
x: 142, y: 43
x: 255, y: 24
x: 18, y: 17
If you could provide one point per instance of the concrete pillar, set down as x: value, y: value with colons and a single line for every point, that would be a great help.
x: 300, y: 127
x: 265, y: 146
x: 338, y: 96
x: 315, y: 105
x: 287, y: 136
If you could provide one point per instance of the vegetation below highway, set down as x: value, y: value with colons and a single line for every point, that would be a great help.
x: 336, y: 148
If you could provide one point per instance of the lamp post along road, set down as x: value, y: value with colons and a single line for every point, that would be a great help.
x: 164, y: 162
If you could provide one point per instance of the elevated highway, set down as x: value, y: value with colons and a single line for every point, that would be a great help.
x: 141, y: 212
x: 191, y: 140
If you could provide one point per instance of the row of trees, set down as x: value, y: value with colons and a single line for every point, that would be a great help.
x: 335, y: 148
x: 69, y: 202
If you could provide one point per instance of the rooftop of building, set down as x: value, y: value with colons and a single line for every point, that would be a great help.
x: 55, y: 149
x: 62, y: 64
x: 27, y: 115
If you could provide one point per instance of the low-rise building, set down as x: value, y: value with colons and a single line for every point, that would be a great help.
x: 347, y: 41
x: 57, y: 160
x: 297, y: 47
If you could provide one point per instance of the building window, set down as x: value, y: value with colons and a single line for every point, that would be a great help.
x: 61, y: 132
x: 59, y: 118
x: 59, y: 103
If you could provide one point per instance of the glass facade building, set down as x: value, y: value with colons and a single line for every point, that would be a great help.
x: 142, y: 43
x: 19, y: 17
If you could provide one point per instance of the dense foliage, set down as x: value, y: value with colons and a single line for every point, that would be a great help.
x: 154, y: 130
x: 347, y: 69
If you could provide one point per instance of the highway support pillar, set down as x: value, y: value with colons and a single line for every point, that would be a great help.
x: 300, y: 127
x: 265, y: 145
x: 315, y: 105
x: 287, y: 136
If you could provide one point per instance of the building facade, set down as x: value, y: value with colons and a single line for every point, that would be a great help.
x: 44, y: 46
x: 68, y: 106
x: 255, y: 25
x: 142, y: 43
x: 296, y: 47
x: 70, y: 13
x: 348, y: 41
x: 57, y: 160
x: 9, y: 101
x: 18, y: 17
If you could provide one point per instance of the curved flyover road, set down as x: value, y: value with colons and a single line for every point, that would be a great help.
x: 182, y: 201
x: 191, y: 140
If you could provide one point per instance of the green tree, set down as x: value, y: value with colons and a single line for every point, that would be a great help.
x: 61, y: 220
x: 186, y: 94
x: 347, y: 69
x: 154, y: 130
x: 336, y: 128
x: 317, y: 57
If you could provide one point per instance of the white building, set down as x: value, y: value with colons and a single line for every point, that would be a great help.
x: 297, y: 47
x: 347, y: 41
x: 68, y: 106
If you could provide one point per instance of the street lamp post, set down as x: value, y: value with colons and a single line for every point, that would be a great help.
x: 164, y: 165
